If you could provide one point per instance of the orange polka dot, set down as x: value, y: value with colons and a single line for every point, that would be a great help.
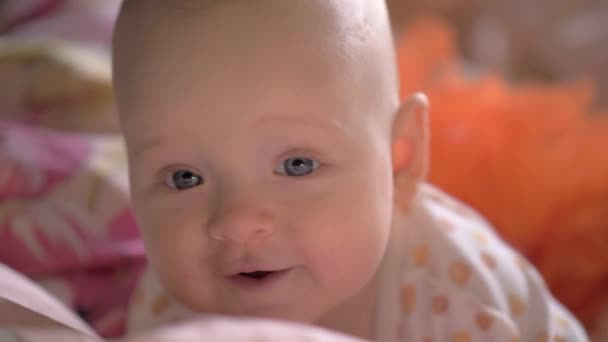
x: 420, y: 255
x: 488, y: 260
x: 518, y: 307
x: 562, y: 322
x: 481, y: 237
x: 408, y: 299
x: 542, y: 337
x: 484, y: 321
x: 515, y: 339
x: 459, y: 272
x: 160, y: 304
x: 461, y: 336
x: 440, y: 305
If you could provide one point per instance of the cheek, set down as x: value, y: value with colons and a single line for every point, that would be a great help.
x: 174, y: 239
x: 349, y: 234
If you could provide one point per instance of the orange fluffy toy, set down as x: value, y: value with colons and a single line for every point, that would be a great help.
x: 532, y: 158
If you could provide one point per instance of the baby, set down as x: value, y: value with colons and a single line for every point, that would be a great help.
x: 275, y: 174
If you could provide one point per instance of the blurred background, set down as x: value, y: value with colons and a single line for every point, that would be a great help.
x: 519, y: 123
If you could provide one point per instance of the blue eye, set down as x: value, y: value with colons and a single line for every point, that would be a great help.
x: 296, y: 167
x: 183, y: 179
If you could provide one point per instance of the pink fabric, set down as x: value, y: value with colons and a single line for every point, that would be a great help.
x: 57, y: 19
x: 65, y: 219
x: 20, y: 13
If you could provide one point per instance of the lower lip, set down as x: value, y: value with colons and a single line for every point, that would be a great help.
x: 252, y: 284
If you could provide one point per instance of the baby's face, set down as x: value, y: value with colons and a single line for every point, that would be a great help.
x: 260, y: 170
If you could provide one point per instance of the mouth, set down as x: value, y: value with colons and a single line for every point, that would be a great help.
x: 258, y: 280
x: 256, y: 274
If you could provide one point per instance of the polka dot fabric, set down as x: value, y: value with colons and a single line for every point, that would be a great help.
x: 461, y: 282
x: 456, y: 281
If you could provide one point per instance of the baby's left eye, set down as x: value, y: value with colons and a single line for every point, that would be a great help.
x: 183, y: 179
x: 297, y: 166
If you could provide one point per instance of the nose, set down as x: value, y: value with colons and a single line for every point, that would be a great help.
x: 241, y: 220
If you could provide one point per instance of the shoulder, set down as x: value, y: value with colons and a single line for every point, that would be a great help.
x: 455, y: 260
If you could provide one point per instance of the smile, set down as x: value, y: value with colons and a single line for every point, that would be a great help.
x: 258, y: 280
x: 257, y: 274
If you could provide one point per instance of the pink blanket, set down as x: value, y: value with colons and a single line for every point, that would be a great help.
x: 65, y: 219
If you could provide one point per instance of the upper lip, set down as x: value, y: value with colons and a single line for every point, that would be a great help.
x: 250, y: 267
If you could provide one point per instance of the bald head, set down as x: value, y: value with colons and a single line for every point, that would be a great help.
x: 354, y: 19
x: 308, y: 39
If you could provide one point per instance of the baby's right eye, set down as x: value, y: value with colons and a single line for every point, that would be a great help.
x: 183, y: 179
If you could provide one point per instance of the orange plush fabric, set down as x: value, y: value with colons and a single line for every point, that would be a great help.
x: 532, y: 158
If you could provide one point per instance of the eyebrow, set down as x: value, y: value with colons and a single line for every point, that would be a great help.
x: 331, y: 126
x: 147, y: 145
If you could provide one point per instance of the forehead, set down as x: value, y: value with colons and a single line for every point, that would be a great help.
x: 233, y: 63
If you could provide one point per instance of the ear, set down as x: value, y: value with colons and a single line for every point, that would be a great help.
x: 410, y: 148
